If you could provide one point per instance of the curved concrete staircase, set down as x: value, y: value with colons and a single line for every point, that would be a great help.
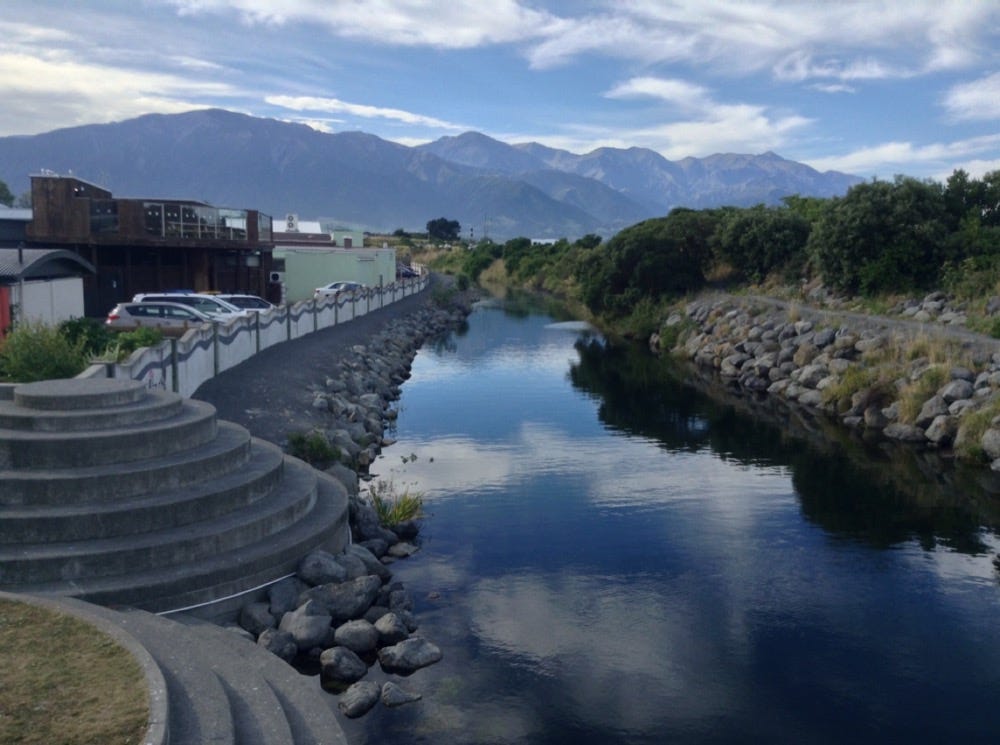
x: 208, y: 685
x: 124, y: 496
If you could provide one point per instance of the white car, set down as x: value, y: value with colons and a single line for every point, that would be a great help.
x: 335, y: 288
x: 207, y: 304
x: 247, y: 302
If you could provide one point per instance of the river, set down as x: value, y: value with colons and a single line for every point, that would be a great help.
x: 611, y: 556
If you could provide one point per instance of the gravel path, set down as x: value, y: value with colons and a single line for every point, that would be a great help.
x: 270, y: 393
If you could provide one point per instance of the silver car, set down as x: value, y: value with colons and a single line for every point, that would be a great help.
x: 171, y: 318
x: 207, y: 304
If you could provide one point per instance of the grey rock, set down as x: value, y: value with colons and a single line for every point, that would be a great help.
x: 284, y: 595
x: 874, y: 418
x: 376, y: 546
x: 308, y: 630
x: 341, y: 665
x: 401, y: 550
x: 957, y: 390
x: 369, y: 561
x: 942, y: 430
x: 391, y: 629
x: 407, y: 530
x: 353, y: 566
x: 393, y: 695
x: 321, y: 568
x: 279, y: 643
x: 932, y: 408
x: 373, y: 614
x: 255, y: 617
x: 958, y: 408
x: 904, y: 432
x: 358, y: 699
x: 346, y: 600
x: 358, y: 636
x: 409, y: 655
x: 990, y: 443
x: 824, y: 337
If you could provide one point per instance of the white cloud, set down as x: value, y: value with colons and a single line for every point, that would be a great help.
x: 336, y: 106
x: 979, y: 99
x: 833, y: 88
x: 713, y: 127
x: 46, y: 93
x: 458, y: 24
x: 890, y: 158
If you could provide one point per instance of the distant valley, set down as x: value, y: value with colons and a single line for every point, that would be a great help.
x: 492, y: 188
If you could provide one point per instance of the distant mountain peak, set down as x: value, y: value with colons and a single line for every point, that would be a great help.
x: 500, y: 189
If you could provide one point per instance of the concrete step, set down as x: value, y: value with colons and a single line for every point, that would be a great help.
x: 25, y: 565
x: 199, y: 709
x: 155, y: 406
x: 193, y: 427
x: 160, y: 510
x: 218, y: 585
x: 107, y: 482
x: 307, y: 708
x: 69, y: 394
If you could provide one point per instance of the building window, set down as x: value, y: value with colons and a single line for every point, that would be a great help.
x: 103, y: 216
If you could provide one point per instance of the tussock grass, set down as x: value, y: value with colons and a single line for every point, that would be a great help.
x: 62, y: 681
x: 915, y: 393
x: 394, y: 507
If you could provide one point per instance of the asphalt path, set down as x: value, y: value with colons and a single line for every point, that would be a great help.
x: 271, y: 393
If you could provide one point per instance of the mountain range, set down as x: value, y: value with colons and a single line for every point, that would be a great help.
x: 492, y: 188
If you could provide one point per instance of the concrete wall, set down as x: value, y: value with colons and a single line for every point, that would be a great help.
x: 182, y: 365
x: 309, y: 268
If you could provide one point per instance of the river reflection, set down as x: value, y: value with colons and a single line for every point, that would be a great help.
x: 612, y: 556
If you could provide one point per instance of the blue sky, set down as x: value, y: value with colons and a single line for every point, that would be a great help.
x: 870, y: 88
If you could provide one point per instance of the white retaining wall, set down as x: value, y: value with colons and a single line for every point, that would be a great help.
x: 182, y: 365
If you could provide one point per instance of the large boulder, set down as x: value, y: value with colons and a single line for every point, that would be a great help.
x: 346, y: 600
x: 255, y: 617
x: 359, y: 636
x: 393, y: 695
x: 391, y: 629
x: 341, y: 665
x: 408, y: 656
x: 359, y: 699
x: 280, y: 643
x: 321, y: 568
x: 308, y: 626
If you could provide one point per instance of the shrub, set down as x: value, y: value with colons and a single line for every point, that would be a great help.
x: 37, y: 351
x: 313, y: 448
x: 93, y: 334
x: 127, y: 342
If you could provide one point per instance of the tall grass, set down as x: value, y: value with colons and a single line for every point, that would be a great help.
x: 394, y: 507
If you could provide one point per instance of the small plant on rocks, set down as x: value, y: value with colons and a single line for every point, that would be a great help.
x: 394, y: 507
x: 313, y: 448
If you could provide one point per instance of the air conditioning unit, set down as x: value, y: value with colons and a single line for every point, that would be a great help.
x: 292, y: 223
x: 277, y: 277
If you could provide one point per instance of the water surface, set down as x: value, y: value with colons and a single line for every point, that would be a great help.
x: 611, y: 557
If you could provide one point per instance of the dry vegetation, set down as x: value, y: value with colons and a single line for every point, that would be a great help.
x: 61, y: 681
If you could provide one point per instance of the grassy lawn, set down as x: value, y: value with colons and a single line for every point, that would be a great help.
x: 62, y: 681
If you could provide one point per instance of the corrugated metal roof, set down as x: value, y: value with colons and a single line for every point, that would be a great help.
x: 29, y: 263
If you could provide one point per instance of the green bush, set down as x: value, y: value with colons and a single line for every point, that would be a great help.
x: 313, y: 448
x: 127, y: 342
x: 37, y: 351
x: 93, y: 334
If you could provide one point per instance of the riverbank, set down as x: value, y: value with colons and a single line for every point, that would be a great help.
x: 925, y: 383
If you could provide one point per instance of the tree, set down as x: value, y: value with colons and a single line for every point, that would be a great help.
x: 6, y: 197
x: 443, y: 229
x: 663, y: 256
x: 882, y: 237
x: 760, y: 240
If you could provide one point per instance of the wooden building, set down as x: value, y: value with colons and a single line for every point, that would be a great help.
x: 150, y: 245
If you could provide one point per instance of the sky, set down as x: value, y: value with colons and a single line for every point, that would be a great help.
x: 869, y: 88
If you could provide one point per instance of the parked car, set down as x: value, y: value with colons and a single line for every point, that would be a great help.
x: 208, y: 304
x: 247, y: 302
x: 405, y: 271
x: 171, y: 318
x: 337, y: 287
